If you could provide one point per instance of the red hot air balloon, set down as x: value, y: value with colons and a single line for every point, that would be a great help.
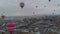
x: 45, y: 6
x: 10, y: 27
x: 58, y: 5
x: 3, y: 17
x: 22, y: 4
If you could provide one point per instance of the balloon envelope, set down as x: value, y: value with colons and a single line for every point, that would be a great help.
x: 45, y: 6
x: 21, y: 4
x: 33, y: 12
x: 3, y: 17
x: 36, y: 6
x: 58, y: 5
x: 10, y: 26
x: 49, y: 0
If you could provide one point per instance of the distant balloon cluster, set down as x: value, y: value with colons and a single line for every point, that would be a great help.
x: 22, y: 4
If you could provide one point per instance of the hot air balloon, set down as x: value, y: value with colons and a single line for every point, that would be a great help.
x: 22, y: 4
x: 33, y: 12
x: 3, y: 17
x: 36, y: 6
x: 54, y: 10
x: 45, y: 6
x: 49, y: 0
x: 58, y: 5
x: 10, y: 27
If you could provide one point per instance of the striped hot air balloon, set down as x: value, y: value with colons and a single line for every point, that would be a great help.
x: 10, y: 27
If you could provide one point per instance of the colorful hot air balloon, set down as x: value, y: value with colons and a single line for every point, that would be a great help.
x: 10, y: 27
x: 22, y: 4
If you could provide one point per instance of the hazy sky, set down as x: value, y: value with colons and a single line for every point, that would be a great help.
x: 12, y: 8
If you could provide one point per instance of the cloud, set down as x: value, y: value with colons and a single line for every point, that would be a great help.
x: 2, y: 3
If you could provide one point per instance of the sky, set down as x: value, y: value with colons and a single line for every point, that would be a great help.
x: 12, y: 7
